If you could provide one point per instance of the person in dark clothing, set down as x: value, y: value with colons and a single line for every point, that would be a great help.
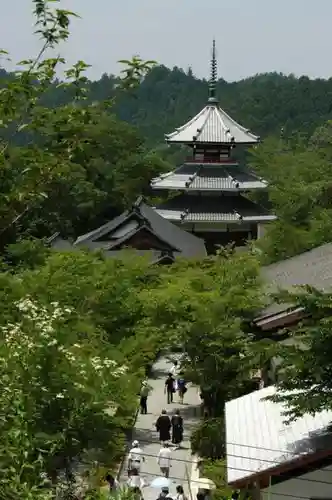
x: 163, y: 426
x: 144, y: 398
x: 170, y: 388
x: 165, y: 495
x: 182, y: 387
x: 177, y: 428
x: 112, y: 482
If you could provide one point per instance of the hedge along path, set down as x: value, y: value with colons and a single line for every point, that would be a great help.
x: 144, y: 431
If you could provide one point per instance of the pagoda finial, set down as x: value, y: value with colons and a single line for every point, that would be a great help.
x: 213, y: 77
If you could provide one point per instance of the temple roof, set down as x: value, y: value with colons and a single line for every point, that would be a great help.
x: 228, y: 209
x: 212, y: 125
x: 141, y: 218
x: 202, y: 177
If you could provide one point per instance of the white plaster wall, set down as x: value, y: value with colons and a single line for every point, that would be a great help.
x: 317, y: 484
x: 260, y: 230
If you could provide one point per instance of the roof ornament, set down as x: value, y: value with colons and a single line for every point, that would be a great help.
x: 213, y: 78
x: 239, y: 216
x: 184, y: 214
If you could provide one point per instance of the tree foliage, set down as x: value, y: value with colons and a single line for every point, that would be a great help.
x: 167, y: 98
x: 69, y: 376
x: 305, y: 373
x: 68, y: 168
x: 299, y: 192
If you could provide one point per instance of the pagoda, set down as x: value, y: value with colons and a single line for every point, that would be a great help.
x: 210, y: 187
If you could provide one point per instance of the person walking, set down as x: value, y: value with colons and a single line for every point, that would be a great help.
x: 175, y: 369
x: 177, y: 429
x: 163, y: 426
x: 135, y: 480
x: 144, y: 398
x: 180, y: 493
x: 164, y: 459
x: 135, y: 458
x: 164, y: 495
x: 182, y: 387
x: 169, y: 388
x: 113, y: 484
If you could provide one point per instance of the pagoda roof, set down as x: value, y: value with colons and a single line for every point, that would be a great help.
x: 212, y: 125
x: 117, y: 233
x: 227, y: 209
x: 207, y: 177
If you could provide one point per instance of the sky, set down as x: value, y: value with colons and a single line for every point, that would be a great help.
x: 252, y: 36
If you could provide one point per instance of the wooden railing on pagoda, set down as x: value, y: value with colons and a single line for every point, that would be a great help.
x: 216, y: 161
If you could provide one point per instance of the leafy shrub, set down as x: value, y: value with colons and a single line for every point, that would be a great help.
x: 208, y: 439
x: 216, y: 470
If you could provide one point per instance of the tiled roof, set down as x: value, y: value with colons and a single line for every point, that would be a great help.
x: 312, y: 268
x: 212, y: 125
x: 258, y: 439
x: 188, y: 208
x: 209, y: 178
x: 103, y: 237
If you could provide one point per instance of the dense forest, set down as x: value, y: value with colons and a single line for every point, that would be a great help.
x: 166, y: 98
x: 116, y: 143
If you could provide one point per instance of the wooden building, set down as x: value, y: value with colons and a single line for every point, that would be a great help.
x: 211, y: 185
x: 142, y: 229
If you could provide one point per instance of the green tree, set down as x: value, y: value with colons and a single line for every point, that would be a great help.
x: 73, y: 158
x: 305, y: 373
x: 202, y: 307
x: 298, y: 194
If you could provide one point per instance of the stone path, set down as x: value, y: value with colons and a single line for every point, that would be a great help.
x: 147, y: 436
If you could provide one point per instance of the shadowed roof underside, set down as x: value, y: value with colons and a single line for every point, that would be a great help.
x: 237, y: 208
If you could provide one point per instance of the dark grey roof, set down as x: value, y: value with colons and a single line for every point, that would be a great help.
x: 228, y: 208
x: 116, y: 244
x: 58, y: 243
x: 89, y: 238
x: 200, y: 177
x: 312, y: 268
x: 185, y: 243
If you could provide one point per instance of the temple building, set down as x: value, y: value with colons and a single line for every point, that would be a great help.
x: 139, y: 228
x: 210, y: 187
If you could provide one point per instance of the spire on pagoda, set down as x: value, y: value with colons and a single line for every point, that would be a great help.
x: 213, y: 76
x: 212, y: 125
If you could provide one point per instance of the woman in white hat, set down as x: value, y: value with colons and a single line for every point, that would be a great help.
x: 135, y: 458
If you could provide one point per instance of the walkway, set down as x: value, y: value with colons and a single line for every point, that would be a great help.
x: 147, y: 436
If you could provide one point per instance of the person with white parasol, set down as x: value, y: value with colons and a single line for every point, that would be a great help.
x: 162, y: 483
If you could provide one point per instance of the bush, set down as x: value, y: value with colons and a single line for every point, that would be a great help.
x: 217, y: 472
x: 208, y: 439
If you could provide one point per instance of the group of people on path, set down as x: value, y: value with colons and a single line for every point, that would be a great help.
x: 175, y: 382
x: 135, y: 460
x: 165, y: 424
x: 170, y: 430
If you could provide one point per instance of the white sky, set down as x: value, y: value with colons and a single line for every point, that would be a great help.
x: 252, y: 36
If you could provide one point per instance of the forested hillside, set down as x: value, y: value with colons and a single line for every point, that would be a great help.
x: 166, y: 98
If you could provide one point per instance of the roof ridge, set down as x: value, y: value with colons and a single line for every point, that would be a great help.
x: 237, y: 124
x: 210, y: 110
x: 219, y: 111
x: 188, y: 123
